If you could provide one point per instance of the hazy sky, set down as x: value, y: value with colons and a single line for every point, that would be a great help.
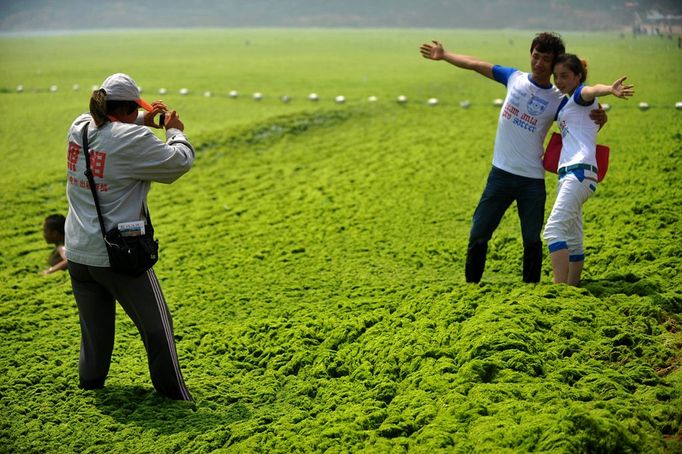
x: 43, y: 15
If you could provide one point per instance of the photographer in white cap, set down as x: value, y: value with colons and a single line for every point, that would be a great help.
x: 125, y: 157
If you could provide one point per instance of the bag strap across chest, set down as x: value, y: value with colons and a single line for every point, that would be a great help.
x: 91, y: 181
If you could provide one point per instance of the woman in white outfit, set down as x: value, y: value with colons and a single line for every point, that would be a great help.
x: 577, y: 165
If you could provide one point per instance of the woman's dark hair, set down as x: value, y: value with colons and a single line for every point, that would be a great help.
x: 100, y: 108
x: 55, y: 222
x: 576, y: 65
x: 548, y: 43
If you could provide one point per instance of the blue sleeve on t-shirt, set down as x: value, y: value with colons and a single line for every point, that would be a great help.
x: 563, y: 102
x: 579, y: 99
x: 502, y: 73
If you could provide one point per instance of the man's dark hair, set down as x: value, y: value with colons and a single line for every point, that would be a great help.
x: 55, y: 222
x: 548, y: 43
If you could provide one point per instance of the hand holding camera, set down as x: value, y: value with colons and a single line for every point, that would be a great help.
x: 158, y: 107
x: 166, y: 119
x: 171, y: 120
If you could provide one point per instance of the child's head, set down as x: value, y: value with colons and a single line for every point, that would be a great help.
x: 53, y: 228
x: 569, y: 72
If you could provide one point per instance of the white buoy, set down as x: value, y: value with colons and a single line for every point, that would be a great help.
x: 184, y: 91
x: 340, y: 99
x: 643, y: 106
x: 285, y: 99
x: 257, y: 96
x: 233, y: 93
x: 54, y: 88
x: 162, y: 91
x: 313, y: 97
x: 432, y: 102
x: 76, y: 87
x: 95, y: 87
x: 497, y: 102
x: 20, y: 88
x: 464, y: 104
x: 402, y: 99
x: 606, y: 106
x: 678, y: 105
x: 207, y: 94
x: 139, y: 89
x: 372, y: 99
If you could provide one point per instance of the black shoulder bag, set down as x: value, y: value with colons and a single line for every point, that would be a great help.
x: 131, y: 255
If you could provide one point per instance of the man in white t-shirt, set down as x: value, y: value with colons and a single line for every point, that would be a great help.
x: 517, y: 173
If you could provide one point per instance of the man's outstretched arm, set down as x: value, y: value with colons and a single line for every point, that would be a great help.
x: 436, y: 52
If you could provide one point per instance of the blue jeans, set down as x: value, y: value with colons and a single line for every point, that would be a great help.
x: 500, y: 191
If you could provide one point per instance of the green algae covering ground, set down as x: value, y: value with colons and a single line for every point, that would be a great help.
x: 313, y: 258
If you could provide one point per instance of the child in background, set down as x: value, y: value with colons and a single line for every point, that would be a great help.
x: 53, y: 232
x: 577, y: 165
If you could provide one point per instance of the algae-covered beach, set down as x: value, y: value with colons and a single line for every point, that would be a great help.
x: 313, y: 257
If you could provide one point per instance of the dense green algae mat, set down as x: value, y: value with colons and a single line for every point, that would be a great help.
x: 313, y: 258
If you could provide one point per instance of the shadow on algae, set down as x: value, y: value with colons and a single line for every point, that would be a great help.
x: 144, y: 408
x: 621, y: 284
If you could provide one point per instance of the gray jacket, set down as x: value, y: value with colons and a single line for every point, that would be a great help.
x: 125, y: 159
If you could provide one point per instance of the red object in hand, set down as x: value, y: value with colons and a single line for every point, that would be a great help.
x: 550, y: 160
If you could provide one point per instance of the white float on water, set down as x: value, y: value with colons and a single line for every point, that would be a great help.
x: 606, y: 106
x: 76, y: 87
x: 432, y: 102
x: 678, y: 105
x: 402, y: 99
x: 372, y: 99
x: 54, y: 88
x: 340, y: 99
x: 208, y: 94
x: 313, y: 97
x: 20, y: 88
x: 286, y: 99
x: 162, y: 91
x: 497, y: 102
x: 233, y: 93
x: 257, y: 96
x: 184, y: 91
x: 464, y: 104
x: 95, y: 87
x: 643, y: 106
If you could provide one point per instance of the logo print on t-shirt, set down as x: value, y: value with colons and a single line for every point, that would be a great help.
x: 536, y: 105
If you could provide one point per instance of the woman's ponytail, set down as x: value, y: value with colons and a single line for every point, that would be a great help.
x: 583, y: 77
x: 98, y: 107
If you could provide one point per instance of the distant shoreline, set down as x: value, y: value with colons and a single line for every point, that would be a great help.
x: 90, y: 31
x: 93, y: 31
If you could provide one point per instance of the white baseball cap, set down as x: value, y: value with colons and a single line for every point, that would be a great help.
x: 122, y: 87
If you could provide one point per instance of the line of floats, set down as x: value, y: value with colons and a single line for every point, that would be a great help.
x: 314, y: 97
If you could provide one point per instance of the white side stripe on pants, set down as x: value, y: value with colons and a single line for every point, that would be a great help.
x: 160, y: 302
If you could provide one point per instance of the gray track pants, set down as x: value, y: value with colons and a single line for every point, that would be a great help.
x: 96, y: 291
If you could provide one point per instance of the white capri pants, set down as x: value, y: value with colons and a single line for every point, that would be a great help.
x: 564, y: 228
